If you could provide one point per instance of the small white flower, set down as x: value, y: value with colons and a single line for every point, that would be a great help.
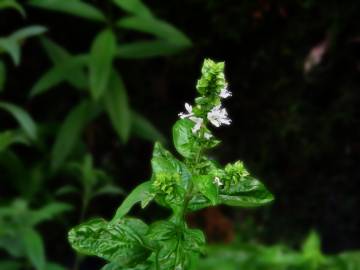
x: 189, y: 113
x: 225, y: 93
x: 198, y: 122
x: 207, y: 135
x: 218, y: 116
x: 217, y: 181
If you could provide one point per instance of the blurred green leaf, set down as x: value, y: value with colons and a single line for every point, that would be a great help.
x: 48, y: 212
x: 58, y: 56
x: 147, y: 49
x: 28, y: 32
x: 142, y: 128
x: 70, y: 132
x: 34, y: 248
x: 4, y: 4
x: 54, y: 266
x: 101, y: 57
x: 134, y: 6
x: 23, y: 118
x: 159, y: 28
x: 59, y: 73
x: 117, y: 107
x: 11, y: 44
x: 73, y: 7
x: 2, y: 76
x: 12, y: 47
x: 109, y: 189
x: 9, y: 137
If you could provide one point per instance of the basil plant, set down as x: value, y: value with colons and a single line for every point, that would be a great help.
x: 183, y: 185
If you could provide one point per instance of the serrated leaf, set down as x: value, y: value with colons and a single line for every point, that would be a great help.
x: 70, y: 131
x: 34, y: 248
x: 117, y: 106
x: 58, y: 56
x: 2, y: 76
x: 137, y: 195
x: 134, y: 6
x: 22, y: 117
x: 4, y: 4
x: 72, y: 7
x: 120, y: 241
x: 184, y: 141
x: 58, y: 74
x: 147, y: 49
x: 102, y: 54
x: 142, y: 128
x: 156, y: 27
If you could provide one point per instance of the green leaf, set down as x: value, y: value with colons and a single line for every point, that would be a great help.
x: 205, y: 184
x: 2, y: 76
x: 48, y: 212
x: 70, y: 132
x: 9, y: 137
x: 12, y: 47
x: 54, y: 266
x: 120, y: 241
x: 147, y: 49
x: 11, y: 44
x: 23, y: 118
x: 4, y: 4
x: 137, y: 195
x: 185, y: 142
x: 156, y: 27
x: 28, y: 32
x: 117, y: 107
x: 34, y: 248
x: 101, y: 57
x: 194, y: 240
x: 142, y: 128
x: 116, y: 266
x: 134, y: 6
x: 59, y: 73
x: 109, y: 189
x: 58, y: 56
x: 72, y: 7
x: 311, y: 250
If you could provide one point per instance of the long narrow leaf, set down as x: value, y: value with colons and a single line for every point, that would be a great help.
x: 59, y: 55
x: 60, y: 73
x: 28, y: 32
x: 70, y: 132
x: 142, y: 128
x: 159, y: 28
x: 11, y: 46
x: 72, y: 7
x: 117, y: 107
x: 134, y: 6
x: 23, y: 118
x: 101, y: 57
x: 4, y: 4
x: 34, y: 248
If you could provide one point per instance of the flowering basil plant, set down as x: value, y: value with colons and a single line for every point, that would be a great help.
x: 183, y: 186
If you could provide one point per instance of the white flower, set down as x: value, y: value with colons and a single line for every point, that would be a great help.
x: 225, y: 93
x: 218, y: 116
x: 207, y: 135
x: 217, y: 181
x: 189, y: 113
x: 198, y: 122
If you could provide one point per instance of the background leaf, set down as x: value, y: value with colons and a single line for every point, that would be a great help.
x: 2, y: 76
x: 101, y: 58
x: 117, y: 107
x: 4, y: 4
x: 70, y: 132
x: 142, y: 128
x: 23, y: 118
x: 136, y: 7
x: 73, y: 7
x: 34, y: 248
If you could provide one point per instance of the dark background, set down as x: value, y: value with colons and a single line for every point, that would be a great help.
x: 298, y: 132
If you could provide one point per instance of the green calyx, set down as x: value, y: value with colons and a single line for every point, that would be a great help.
x: 182, y: 185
